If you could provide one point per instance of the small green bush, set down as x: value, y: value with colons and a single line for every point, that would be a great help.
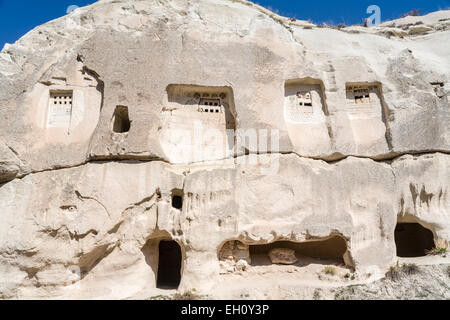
x: 330, y: 271
x: 437, y: 252
x: 160, y: 297
x: 410, y: 269
x: 316, y: 295
x: 394, y: 273
x: 188, y: 295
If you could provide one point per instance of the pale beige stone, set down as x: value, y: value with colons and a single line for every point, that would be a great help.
x: 282, y: 256
x: 357, y: 120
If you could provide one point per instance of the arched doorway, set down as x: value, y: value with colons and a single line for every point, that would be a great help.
x: 413, y: 240
x: 169, y: 265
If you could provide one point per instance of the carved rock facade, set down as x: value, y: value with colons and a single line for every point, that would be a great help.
x: 168, y: 146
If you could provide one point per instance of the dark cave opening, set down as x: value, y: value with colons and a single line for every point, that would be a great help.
x: 413, y: 240
x: 177, y: 201
x: 169, y: 265
x: 121, y: 120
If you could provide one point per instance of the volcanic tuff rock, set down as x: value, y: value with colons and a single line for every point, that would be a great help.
x: 128, y: 124
x: 283, y: 256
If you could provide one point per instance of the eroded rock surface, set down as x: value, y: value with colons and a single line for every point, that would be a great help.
x: 211, y: 127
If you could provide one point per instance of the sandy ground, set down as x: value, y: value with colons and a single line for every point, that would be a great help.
x: 426, y: 278
x: 314, y: 279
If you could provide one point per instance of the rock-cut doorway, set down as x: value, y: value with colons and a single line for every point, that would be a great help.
x: 169, y: 265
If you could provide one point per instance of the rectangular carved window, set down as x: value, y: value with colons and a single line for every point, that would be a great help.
x: 360, y: 93
x: 210, y: 105
x: 305, y: 99
x: 60, y: 108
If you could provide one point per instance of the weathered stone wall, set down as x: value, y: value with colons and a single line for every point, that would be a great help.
x: 84, y: 207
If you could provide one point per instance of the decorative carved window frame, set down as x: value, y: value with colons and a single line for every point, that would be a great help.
x: 60, y: 105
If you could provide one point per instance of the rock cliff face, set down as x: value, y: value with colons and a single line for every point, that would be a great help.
x: 149, y: 146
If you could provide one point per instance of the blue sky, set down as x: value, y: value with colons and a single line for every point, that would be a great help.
x: 17, y: 17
